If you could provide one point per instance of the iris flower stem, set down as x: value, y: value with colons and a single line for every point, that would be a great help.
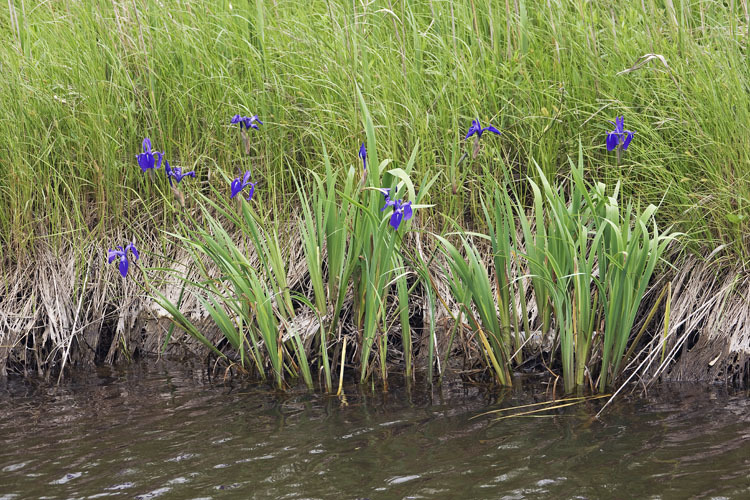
x: 246, y: 157
x: 383, y: 277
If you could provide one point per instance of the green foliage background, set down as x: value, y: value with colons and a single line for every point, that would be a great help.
x: 84, y: 81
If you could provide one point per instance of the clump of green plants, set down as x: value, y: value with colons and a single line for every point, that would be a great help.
x: 589, y: 260
x: 352, y: 240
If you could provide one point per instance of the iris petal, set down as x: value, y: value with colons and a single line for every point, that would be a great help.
x: 251, y: 122
x: 145, y: 161
x: 112, y: 255
x: 124, y: 266
x: 475, y: 128
x: 168, y: 171
x: 619, y: 124
x: 492, y: 129
x: 178, y: 175
x: 363, y: 155
x: 146, y: 145
x: 407, y: 211
x: 612, y: 140
x: 396, y: 219
x: 388, y: 203
x: 131, y: 247
x: 628, y: 138
x: 141, y: 161
x: 236, y: 187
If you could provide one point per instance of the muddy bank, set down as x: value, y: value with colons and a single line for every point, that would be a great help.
x: 58, y: 314
x: 709, y: 327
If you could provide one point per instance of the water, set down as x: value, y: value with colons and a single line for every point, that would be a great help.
x: 165, y: 431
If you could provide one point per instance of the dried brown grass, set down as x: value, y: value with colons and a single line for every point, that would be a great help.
x: 58, y: 313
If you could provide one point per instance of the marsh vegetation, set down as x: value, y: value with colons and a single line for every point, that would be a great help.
x: 546, y: 247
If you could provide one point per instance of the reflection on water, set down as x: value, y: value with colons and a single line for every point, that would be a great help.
x: 164, y: 431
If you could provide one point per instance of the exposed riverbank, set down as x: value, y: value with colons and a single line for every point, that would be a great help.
x: 46, y: 328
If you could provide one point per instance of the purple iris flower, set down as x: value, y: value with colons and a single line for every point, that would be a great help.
x: 477, y: 129
x: 619, y: 136
x: 363, y: 155
x: 123, y: 256
x: 401, y: 211
x: 250, y: 122
x: 176, y: 173
x: 239, y: 185
x: 247, y: 121
x: 148, y: 159
x: 386, y: 192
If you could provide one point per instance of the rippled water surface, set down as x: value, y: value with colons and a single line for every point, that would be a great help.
x: 165, y: 431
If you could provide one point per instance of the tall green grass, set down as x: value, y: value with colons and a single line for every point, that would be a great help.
x: 84, y: 82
